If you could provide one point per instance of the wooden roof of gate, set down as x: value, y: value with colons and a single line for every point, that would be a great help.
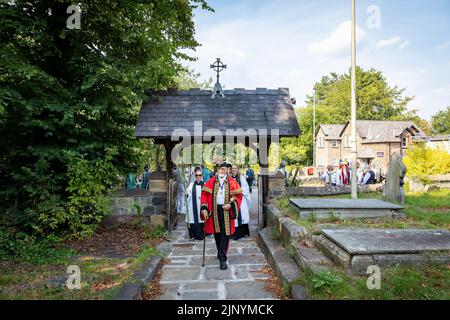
x: 239, y: 111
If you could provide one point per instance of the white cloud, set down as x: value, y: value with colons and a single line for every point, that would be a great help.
x: 404, y: 44
x: 443, y: 45
x: 339, y: 41
x: 387, y: 42
x: 444, y: 90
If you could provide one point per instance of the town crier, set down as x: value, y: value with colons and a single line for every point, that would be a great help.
x: 220, y: 202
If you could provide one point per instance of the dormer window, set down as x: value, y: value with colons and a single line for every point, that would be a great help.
x: 404, y: 142
x: 334, y: 143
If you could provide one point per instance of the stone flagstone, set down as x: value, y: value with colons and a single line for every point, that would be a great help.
x: 184, y: 278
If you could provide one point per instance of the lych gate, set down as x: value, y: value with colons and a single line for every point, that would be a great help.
x: 250, y: 117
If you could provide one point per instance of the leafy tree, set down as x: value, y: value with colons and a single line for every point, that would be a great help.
x: 78, y: 91
x: 375, y: 99
x: 188, y: 79
x: 440, y: 122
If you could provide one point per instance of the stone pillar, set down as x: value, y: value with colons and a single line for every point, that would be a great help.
x: 277, y: 184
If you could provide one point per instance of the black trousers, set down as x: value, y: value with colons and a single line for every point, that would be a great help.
x: 222, y: 240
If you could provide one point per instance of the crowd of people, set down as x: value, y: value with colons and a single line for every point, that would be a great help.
x: 216, y: 203
x: 191, y: 186
x: 341, y: 176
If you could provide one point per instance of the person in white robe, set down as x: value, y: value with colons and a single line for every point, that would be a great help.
x: 193, y: 220
x: 243, y: 218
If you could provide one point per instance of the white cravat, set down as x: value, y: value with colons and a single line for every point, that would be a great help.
x: 221, y: 191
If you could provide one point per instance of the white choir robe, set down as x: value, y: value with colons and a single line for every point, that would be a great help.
x: 246, y: 203
x: 190, y: 216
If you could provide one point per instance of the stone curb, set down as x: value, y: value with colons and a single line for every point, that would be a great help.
x: 132, y: 289
x: 289, y: 230
x: 283, y: 264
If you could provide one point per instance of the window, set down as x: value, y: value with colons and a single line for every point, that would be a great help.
x: 347, y: 141
x: 334, y: 143
x: 404, y: 142
x: 320, y: 142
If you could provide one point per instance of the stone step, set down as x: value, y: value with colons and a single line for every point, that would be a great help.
x: 332, y: 251
x: 311, y: 258
x: 285, y: 266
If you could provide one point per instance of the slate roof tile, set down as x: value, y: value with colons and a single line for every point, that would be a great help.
x: 240, y: 109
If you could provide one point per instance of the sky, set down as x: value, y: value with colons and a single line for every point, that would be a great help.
x: 293, y: 43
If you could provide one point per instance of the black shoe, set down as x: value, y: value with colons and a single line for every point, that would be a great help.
x: 223, y: 265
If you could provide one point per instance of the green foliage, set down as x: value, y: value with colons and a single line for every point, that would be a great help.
x: 325, y: 281
x: 435, y: 199
x: 88, y: 184
x: 188, y: 79
x: 440, y: 122
x: 21, y: 247
x: 422, y: 161
x: 421, y: 282
x: 156, y: 232
x: 376, y: 100
x: 78, y: 92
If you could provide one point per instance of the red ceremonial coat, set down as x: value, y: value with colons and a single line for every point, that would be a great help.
x: 208, y: 201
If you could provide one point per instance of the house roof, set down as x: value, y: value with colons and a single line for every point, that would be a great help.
x: 439, y: 138
x: 240, y: 109
x: 332, y: 131
x: 372, y: 131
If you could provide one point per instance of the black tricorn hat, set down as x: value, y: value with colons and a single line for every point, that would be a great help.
x: 224, y: 164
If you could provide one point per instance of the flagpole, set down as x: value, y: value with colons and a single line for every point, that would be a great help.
x: 353, y: 111
x: 314, y: 130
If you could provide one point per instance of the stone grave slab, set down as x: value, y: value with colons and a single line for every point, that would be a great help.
x: 323, y: 208
x: 371, y: 241
x: 389, y: 247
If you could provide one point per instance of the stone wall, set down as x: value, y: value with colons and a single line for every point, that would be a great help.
x: 153, y: 203
x: 430, y: 183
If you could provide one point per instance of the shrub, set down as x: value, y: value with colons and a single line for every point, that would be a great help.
x: 87, y: 202
x: 20, y: 247
x: 422, y: 161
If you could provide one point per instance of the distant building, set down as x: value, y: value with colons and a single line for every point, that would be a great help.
x: 376, y: 141
x: 442, y: 142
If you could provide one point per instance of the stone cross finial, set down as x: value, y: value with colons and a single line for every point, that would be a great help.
x: 218, y: 66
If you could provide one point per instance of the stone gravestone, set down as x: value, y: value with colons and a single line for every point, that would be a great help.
x: 393, y: 189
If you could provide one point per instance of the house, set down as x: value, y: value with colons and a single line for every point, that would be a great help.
x: 376, y: 141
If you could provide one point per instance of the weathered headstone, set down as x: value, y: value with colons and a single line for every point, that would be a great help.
x: 393, y: 190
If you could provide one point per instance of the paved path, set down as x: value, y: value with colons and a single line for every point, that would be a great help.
x: 184, y: 277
